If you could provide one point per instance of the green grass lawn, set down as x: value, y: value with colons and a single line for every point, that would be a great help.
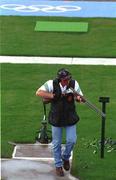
x: 19, y: 38
x: 22, y: 112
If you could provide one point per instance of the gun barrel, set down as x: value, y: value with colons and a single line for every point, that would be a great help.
x: 89, y: 104
x: 93, y: 107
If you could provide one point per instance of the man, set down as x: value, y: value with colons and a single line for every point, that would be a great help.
x: 62, y: 115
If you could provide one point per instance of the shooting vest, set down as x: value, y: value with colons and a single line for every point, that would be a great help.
x: 62, y: 112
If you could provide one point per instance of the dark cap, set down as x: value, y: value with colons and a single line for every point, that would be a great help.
x: 63, y: 74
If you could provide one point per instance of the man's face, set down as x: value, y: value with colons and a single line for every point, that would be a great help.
x: 65, y: 82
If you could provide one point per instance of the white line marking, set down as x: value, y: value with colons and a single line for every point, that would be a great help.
x: 35, y: 158
x: 57, y: 60
x: 14, y: 152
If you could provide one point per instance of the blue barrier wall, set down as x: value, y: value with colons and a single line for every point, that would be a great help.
x: 58, y: 8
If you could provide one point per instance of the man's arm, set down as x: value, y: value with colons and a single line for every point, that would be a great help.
x: 44, y: 94
x: 77, y: 89
x: 46, y: 91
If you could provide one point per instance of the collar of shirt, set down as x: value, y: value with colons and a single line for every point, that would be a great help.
x: 62, y: 88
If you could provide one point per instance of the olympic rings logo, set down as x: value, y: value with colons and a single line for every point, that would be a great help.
x: 41, y: 8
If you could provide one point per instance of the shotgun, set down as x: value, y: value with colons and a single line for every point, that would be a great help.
x: 88, y: 103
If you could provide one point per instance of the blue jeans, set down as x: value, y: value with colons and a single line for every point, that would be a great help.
x: 71, y: 138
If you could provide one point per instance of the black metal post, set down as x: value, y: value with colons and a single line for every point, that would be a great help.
x: 44, y: 135
x: 103, y: 100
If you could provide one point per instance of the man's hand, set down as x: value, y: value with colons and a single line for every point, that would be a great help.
x: 79, y: 99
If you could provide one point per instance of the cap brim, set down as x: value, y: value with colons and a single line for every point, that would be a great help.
x: 66, y: 78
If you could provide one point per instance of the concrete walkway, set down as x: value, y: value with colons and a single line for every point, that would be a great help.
x: 32, y: 162
x: 30, y: 170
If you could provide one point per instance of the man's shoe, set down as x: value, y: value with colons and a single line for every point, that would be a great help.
x: 66, y: 164
x: 59, y: 171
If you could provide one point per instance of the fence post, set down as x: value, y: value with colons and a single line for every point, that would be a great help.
x: 103, y: 100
